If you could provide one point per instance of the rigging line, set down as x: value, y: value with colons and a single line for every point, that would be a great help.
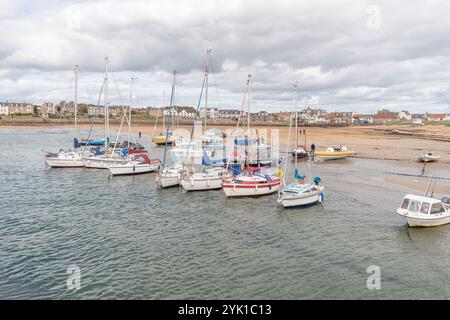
x: 220, y: 102
x: 93, y: 119
x: 237, y: 124
x: 193, y: 126
x: 124, y: 109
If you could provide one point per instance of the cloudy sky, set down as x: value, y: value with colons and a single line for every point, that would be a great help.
x: 346, y: 55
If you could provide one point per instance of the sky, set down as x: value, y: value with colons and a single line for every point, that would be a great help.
x: 352, y: 55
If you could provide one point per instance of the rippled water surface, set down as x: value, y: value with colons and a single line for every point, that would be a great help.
x: 132, y: 240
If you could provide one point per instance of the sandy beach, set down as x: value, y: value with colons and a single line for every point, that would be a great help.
x: 400, y: 143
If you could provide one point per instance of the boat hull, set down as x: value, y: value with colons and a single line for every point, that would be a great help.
x: 235, y: 190
x: 167, y: 181
x: 93, y: 163
x: 201, y: 184
x: 121, y: 170
x: 64, y: 163
x: 429, y: 222
x: 325, y: 156
x: 301, y: 201
x: 428, y: 159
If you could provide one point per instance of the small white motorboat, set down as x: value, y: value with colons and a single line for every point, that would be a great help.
x: 299, y: 153
x: 422, y: 211
x: 139, y: 164
x: 429, y: 156
x: 210, y: 179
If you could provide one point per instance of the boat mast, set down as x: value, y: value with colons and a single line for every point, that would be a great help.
x: 168, y: 119
x: 106, y: 104
x: 208, y: 57
x: 76, y: 100
x: 248, y: 106
x: 129, y: 110
x: 296, y: 122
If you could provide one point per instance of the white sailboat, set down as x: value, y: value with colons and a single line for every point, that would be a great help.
x: 304, y: 192
x: 254, y: 181
x: 110, y: 157
x: 169, y: 176
x: 207, y: 178
x: 70, y: 158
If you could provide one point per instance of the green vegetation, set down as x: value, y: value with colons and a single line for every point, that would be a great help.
x: 399, y: 122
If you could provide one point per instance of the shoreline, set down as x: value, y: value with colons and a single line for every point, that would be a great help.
x: 370, y: 142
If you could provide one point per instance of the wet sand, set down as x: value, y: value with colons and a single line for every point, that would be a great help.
x: 419, y: 185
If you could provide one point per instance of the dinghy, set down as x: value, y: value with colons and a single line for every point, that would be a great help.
x: 429, y: 156
x: 334, y: 153
x: 300, y: 153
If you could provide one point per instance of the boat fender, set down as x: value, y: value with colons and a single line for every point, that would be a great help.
x: 317, y: 180
x: 321, y: 197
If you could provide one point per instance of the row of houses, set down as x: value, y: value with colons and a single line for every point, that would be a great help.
x: 10, y: 108
x: 308, y: 115
x: 321, y: 116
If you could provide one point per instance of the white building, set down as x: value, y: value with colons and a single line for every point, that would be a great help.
x: 4, y: 109
x: 212, y: 113
x: 229, y: 113
x: 405, y: 115
x: 310, y: 115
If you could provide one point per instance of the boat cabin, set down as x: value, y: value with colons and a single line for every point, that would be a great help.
x: 422, y: 205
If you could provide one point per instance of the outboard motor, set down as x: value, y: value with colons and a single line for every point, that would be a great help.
x: 317, y: 180
x: 445, y: 200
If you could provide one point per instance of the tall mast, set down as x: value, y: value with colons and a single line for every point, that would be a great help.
x: 106, y: 103
x: 208, y: 57
x: 248, y: 106
x: 162, y: 108
x: 129, y: 109
x: 296, y: 112
x: 76, y: 100
x: 168, y: 119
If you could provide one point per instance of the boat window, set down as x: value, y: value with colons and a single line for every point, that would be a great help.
x: 405, y: 203
x: 414, y: 206
x: 437, y: 208
x: 425, y: 208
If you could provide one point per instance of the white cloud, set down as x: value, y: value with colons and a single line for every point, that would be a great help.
x: 325, y: 45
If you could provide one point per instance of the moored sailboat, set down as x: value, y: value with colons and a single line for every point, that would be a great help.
x: 301, y: 192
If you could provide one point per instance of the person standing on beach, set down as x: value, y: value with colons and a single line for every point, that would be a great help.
x: 313, y: 148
